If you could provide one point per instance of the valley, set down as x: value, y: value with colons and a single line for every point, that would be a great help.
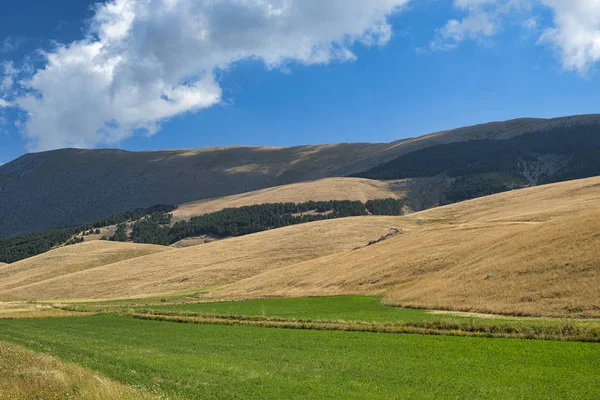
x: 299, y: 199
x: 338, y: 286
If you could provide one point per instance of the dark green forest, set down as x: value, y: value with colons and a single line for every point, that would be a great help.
x: 473, y: 186
x: 484, y: 167
x: 13, y: 249
x: 580, y: 144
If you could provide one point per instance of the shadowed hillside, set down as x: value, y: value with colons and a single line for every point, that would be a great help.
x: 466, y: 170
x: 68, y: 187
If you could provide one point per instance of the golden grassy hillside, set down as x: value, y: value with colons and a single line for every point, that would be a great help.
x: 540, y: 248
x: 70, y: 259
x: 320, y: 190
x: 208, y: 265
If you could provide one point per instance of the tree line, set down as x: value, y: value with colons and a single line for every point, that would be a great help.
x: 16, y: 248
x: 153, y: 225
x: 257, y: 218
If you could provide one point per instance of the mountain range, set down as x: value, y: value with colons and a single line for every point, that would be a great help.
x: 71, y: 186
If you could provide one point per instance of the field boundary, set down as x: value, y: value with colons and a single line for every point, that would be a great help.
x: 567, y: 331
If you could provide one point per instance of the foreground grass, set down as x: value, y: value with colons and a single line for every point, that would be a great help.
x: 212, y: 361
x: 25, y: 374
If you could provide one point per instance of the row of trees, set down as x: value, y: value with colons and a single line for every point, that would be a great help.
x: 16, y: 248
x: 386, y: 206
x: 153, y: 224
x: 251, y: 219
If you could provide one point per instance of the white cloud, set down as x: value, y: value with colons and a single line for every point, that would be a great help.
x: 474, y: 26
x: 145, y: 61
x: 9, y: 44
x: 530, y: 23
x: 7, y: 76
x: 4, y: 103
x: 576, y: 34
x: 484, y: 19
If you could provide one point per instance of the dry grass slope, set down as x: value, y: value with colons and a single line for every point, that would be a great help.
x: 211, y: 264
x: 320, y: 190
x: 538, y: 247
x: 70, y: 259
x: 27, y: 375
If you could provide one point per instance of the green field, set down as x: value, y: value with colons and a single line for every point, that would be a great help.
x: 359, y: 309
x: 343, y: 308
x: 228, y: 362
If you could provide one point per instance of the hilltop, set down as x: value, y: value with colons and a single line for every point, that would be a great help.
x: 524, y: 251
x: 72, y: 186
x: 320, y: 190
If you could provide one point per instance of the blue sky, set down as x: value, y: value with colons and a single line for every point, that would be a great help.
x: 117, y: 75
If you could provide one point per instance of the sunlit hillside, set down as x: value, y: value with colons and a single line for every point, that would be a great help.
x: 533, y: 251
x: 70, y: 259
x: 203, y: 266
x: 108, y: 181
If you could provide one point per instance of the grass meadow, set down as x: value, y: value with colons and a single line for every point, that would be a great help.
x: 344, y: 308
x: 229, y: 362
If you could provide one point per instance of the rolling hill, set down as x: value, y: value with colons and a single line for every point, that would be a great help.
x: 532, y: 251
x: 70, y: 259
x: 71, y: 186
x: 202, y: 266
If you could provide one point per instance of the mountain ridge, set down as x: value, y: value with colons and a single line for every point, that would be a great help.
x: 70, y: 186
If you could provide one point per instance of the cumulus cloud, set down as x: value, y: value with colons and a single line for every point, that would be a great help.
x: 144, y: 61
x: 474, y: 26
x: 576, y: 34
